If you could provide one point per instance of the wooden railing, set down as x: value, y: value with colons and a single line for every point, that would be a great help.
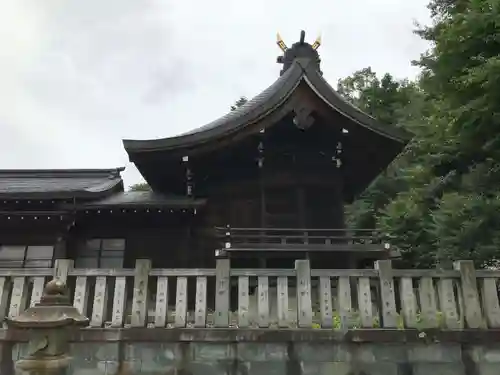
x: 273, y: 240
x: 382, y: 297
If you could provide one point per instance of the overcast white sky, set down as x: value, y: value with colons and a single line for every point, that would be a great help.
x: 76, y: 77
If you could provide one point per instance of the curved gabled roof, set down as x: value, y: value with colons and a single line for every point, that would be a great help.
x: 58, y: 183
x: 255, y: 108
x: 301, y: 70
x: 331, y: 97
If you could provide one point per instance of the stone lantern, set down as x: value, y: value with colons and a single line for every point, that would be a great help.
x: 49, y: 323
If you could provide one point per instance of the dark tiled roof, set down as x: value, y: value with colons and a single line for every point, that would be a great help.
x: 302, y: 70
x: 255, y: 108
x: 58, y: 183
x: 136, y: 199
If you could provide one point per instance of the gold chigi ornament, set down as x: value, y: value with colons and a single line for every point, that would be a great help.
x: 281, y: 44
x: 316, y: 43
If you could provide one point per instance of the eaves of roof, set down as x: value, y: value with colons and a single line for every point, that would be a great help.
x: 59, y: 183
x: 265, y: 103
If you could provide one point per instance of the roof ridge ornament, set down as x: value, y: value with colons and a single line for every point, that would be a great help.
x: 302, y: 36
x: 300, y: 49
x: 317, y: 43
x: 280, y: 43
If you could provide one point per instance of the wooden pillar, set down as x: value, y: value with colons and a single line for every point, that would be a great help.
x: 263, y: 224
x: 186, y: 254
x: 263, y: 207
x: 339, y: 205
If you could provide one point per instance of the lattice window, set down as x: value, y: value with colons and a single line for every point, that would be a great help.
x: 21, y: 256
x: 101, y: 253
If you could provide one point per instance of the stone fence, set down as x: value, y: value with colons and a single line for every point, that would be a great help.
x: 381, y: 321
x: 226, y: 297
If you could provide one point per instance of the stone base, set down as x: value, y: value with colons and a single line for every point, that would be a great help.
x: 45, y: 366
x: 284, y: 358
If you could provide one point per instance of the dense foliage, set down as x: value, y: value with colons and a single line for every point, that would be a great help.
x: 140, y: 186
x: 440, y: 200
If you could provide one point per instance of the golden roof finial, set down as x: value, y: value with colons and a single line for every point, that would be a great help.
x: 316, y: 43
x: 280, y: 43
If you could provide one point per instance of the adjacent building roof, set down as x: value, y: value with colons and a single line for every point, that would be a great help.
x: 59, y: 183
x: 144, y: 199
x: 301, y: 70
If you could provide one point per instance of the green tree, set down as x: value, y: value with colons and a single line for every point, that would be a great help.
x: 450, y: 209
x: 140, y: 186
x: 391, y: 101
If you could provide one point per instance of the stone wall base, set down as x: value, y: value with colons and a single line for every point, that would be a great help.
x: 294, y: 358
